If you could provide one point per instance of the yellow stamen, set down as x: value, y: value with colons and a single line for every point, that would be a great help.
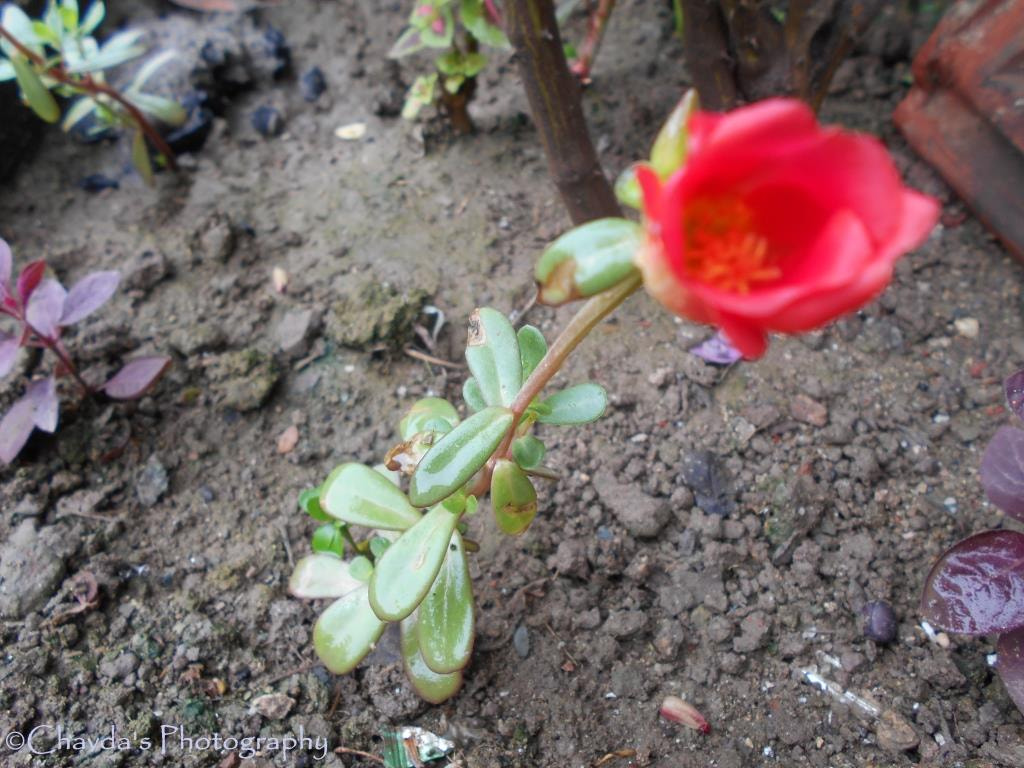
x: 723, y: 249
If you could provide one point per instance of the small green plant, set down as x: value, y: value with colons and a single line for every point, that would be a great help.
x: 452, y: 83
x: 57, y: 56
x: 715, y: 246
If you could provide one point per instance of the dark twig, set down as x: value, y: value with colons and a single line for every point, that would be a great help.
x: 592, y: 42
x: 554, y: 97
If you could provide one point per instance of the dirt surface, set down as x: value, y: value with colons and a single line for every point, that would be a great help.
x: 715, y: 536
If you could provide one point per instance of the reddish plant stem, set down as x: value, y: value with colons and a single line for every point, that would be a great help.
x: 582, y: 323
x: 592, y: 42
x: 88, y: 84
x: 554, y: 96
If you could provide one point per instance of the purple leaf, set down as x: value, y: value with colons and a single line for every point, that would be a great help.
x: 29, y: 279
x: 136, y: 377
x: 5, y: 267
x: 716, y: 350
x: 1010, y: 664
x: 8, y: 352
x: 45, y: 307
x: 89, y: 294
x: 977, y: 586
x: 45, y: 405
x: 1014, y: 388
x: 1002, y: 471
x: 15, y: 428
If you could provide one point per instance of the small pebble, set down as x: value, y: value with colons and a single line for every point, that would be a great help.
x: 521, y: 641
x: 967, y: 327
x: 312, y: 84
x: 351, y: 132
x: 879, y: 621
x: 267, y: 121
x: 97, y: 182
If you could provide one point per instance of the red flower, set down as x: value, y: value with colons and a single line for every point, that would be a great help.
x: 774, y: 223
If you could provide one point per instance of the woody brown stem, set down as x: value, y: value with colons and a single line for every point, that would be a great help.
x: 554, y: 96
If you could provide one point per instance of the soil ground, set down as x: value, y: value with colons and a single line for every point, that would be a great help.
x: 715, y: 536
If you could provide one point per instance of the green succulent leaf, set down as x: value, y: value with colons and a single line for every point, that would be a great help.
x: 378, y: 546
x: 35, y: 93
x: 430, y: 685
x: 405, y: 572
x: 309, y: 502
x: 532, y: 348
x: 668, y: 153
x: 455, y: 457
x: 432, y: 414
x: 327, y: 538
x: 627, y: 188
x: 167, y: 111
x: 513, y: 497
x: 528, y: 451
x: 579, y: 404
x: 360, y: 495
x: 93, y: 17
x: 446, y: 615
x: 475, y: 20
x: 346, y: 632
x: 492, y: 352
x: 588, y: 259
x: 408, y: 42
x: 321, y: 575
x: 472, y: 395
x: 361, y: 568
x: 419, y: 95
x: 140, y: 158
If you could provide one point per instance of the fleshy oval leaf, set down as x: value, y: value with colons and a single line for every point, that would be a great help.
x: 89, y: 294
x: 627, y: 189
x: 433, y: 414
x: 430, y: 685
x: 1010, y: 664
x: 346, y: 632
x: 405, y: 572
x: 446, y: 616
x: 321, y: 575
x: 492, y: 352
x: 977, y: 586
x: 588, y: 259
x: 513, y: 498
x: 579, y: 404
x: 359, y: 495
x: 456, y: 456
x: 472, y: 395
x: 328, y: 539
x: 528, y: 451
x: 532, y: 348
x: 309, y: 502
x: 1002, y: 471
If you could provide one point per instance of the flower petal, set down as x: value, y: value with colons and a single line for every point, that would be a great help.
x: 747, y: 337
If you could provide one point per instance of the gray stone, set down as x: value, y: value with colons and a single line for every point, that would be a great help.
x: 30, y: 572
x: 295, y: 330
x: 152, y: 482
x: 754, y: 631
x: 521, y: 641
x: 621, y: 624
x: 370, y: 312
x: 642, y: 515
x: 244, y: 379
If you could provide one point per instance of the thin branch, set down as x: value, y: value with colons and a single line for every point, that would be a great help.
x: 706, y: 48
x: 554, y: 97
x: 88, y: 84
x: 592, y: 42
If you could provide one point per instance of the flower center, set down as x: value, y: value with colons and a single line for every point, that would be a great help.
x: 723, y: 248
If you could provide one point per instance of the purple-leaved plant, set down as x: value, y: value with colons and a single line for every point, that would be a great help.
x: 42, y: 309
x: 977, y: 586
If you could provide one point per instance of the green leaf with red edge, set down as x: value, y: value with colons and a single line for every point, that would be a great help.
x: 579, y: 404
x: 430, y: 685
x: 977, y: 586
x: 588, y: 259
